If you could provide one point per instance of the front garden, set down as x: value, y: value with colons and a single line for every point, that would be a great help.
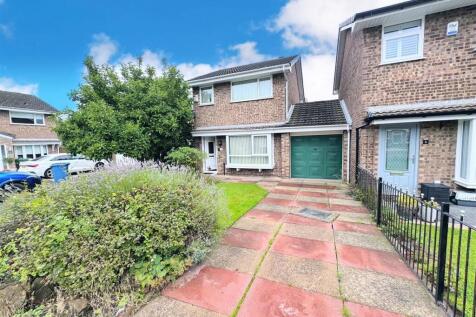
x: 104, y: 243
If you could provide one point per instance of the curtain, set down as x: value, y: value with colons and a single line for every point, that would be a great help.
x: 245, y: 151
x: 245, y: 90
x: 265, y: 88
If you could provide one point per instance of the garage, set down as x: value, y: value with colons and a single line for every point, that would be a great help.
x: 316, y: 156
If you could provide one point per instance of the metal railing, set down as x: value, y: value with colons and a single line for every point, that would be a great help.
x: 437, y: 245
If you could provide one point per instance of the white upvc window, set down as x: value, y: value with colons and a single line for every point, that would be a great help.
x: 17, y: 117
x: 465, y: 173
x: 206, y: 96
x: 252, y: 89
x: 402, y: 42
x: 30, y: 151
x: 250, y: 151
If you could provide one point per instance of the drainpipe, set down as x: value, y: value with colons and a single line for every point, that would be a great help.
x: 349, y: 134
x: 357, y: 146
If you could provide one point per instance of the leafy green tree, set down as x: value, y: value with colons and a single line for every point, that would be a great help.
x: 128, y: 110
x: 186, y: 156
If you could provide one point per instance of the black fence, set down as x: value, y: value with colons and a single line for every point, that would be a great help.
x: 437, y: 245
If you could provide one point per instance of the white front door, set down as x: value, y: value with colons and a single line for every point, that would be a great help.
x: 210, y: 149
x: 398, y: 156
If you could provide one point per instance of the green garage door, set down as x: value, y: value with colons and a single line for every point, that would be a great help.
x: 316, y: 156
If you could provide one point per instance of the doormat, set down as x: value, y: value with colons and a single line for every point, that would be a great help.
x: 317, y: 214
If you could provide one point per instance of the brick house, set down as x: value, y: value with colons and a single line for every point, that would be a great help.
x: 253, y: 120
x: 407, y: 74
x: 25, y: 127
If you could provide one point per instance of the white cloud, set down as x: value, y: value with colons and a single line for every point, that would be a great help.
x: 190, y: 70
x: 102, y: 48
x: 8, y: 84
x: 312, y: 27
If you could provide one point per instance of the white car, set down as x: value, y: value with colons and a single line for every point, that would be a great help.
x: 42, y: 166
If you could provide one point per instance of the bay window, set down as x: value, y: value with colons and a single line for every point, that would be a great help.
x: 30, y: 151
x: 252, y: 89
x: 402, y: 42
x: 27, y: 118
x: 465, y: 173
x: 250, y: 151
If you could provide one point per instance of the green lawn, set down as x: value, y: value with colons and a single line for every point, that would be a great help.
x: 240, y: 198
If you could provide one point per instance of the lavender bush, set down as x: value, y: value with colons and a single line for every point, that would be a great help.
x: 90, y: 234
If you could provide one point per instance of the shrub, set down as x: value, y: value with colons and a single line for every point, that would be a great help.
x: 90, y: 234
x: 186, y: 156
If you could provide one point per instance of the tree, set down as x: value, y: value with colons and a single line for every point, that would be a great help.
x: 131, y: 111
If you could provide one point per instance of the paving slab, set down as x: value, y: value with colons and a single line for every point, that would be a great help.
x: 321, y: 194
x: 275, y: 208
x: 234, y: 258
x: 364, y: 218
x: 345, y: 202
x: 302, y: 220
x: 286, y: 190
x: 388, y: 293
x: 356, y: 227
x: 167, y: 307
x: 305, y: 248
x: 322, y: 200
x: 310, y: 275
x: 307, y: 232
x: 271, y: 299
x: 247, y: 223
x: 215, y: 289
x: 373, y: 260
x: 359, y: 310
x: 264, y: 215
x: 279, y: 202
x: 246, y: 239
x: 282, y: 196
x: 363, y: 240
x: 313, y: 205
x: 347, y: 208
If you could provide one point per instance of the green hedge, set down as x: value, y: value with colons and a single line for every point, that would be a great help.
x: 90, y: 234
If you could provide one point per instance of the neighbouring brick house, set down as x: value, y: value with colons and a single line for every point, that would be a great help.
x: 407, y: 74
x: 253, y: 120
x: 25, y: 127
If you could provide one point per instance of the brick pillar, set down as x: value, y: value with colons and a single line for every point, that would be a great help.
x: 285, y: 155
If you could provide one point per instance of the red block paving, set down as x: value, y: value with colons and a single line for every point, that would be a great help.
x: 212, y: 288
x: 272, y: 299
x: 345, y: 208
x: 246, y: 238
x: 355, y: 227
x: 358, y: 310
x: 305, y: 248
x: 265, y: 215
x: 379, y: 261
x: 300, y: 220
x: 278, y: 202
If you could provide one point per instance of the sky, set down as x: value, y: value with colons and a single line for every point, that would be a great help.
x: 43, y: 43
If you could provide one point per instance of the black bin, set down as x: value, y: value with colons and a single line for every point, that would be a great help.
x: 440, y: 192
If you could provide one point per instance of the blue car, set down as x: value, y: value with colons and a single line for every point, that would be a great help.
x: 11, y: 182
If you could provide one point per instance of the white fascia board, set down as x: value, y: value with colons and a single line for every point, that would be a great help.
x: 241, y: 75
x: 6, y: 136
x: 423, y: 119
x: 26, y: 110
x: 337, y: 127
x: 348, y: 118
x: 30, y: 141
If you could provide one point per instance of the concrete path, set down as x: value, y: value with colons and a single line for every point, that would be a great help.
x: 275, y: 261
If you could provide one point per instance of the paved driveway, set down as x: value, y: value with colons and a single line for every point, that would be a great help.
x: 276, y: 261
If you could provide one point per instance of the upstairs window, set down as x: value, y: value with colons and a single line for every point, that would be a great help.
x: 206, y: 95
x: 27, y: 118
x: 253, y: 89
x: 402, y: 42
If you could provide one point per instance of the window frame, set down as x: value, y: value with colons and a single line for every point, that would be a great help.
x: 23, y: 151
x: 257, y: 79
x: 200, y: 95
x: 269, y: 150
x: 420, y: 55
x: 470, y: 180
x: 35, y: 115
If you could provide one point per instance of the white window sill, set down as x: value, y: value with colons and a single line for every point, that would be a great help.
x: 251, y: 167
x: 255, y: 99
x: 206, y: 104
x: 383, y: 63
x: 465, y: 183
x: 29, y: 124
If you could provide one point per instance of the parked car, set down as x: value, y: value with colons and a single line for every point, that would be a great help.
x: 77, y: 163
x: 14, y: 182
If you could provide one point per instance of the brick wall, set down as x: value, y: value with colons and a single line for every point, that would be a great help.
x: 224, y: 112
x: 447, y: 71
x: 22, y: 131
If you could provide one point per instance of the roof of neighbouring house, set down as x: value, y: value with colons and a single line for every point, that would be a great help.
x: 327, y: 112
x: 15, y: 100
x: 432, y: 108
x: 248, y: 67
